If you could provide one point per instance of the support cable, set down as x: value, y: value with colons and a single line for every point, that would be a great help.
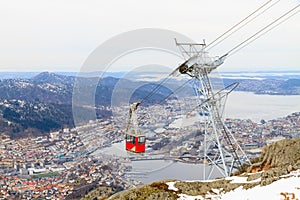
x: 164, y: 80
x: 156, y: 88
x: 176, y: 90
x: 243, y: 24
x: 261, y: 30
x: 236, y: 25
x: 249, y: 42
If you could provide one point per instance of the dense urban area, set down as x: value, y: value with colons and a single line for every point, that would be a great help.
x: 69, y: 163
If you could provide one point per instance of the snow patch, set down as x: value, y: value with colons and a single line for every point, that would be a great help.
x: 188, y: 197
x: 172, y: 186
x: 272, y: 191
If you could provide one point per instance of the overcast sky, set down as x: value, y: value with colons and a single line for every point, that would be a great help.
x: 59, y: 35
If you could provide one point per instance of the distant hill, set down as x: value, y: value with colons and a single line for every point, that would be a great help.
x: 53, y: 92
x: 43, y: 103
x: 267, y: 86
x: 45, y: 88
x: 47, y: 77
x: 22, y: 118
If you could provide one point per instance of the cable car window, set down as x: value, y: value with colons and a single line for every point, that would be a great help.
x: 128, y: 138
x: 141, y: 140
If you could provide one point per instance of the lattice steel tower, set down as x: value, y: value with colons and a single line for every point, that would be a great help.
x: 219, y: 148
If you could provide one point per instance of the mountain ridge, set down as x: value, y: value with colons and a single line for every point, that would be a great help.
x: 55, y: 92
x: 23, y: 101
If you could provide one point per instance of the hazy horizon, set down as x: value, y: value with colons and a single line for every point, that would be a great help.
x: 60, y: 35
x: 221, y: 71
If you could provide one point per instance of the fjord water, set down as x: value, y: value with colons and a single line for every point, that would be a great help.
x: 247, y: 105
x: 242, y: 105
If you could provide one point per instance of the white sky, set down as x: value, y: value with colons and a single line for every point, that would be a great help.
x: 58, y: 35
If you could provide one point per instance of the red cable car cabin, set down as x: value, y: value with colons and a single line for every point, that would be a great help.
x: 135, y: 143
x: 135, y: 140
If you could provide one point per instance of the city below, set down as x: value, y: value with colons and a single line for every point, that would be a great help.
x: 73, y: 161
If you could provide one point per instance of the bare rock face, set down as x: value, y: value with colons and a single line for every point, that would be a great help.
x: 254, y: 176
x: 282, y: 154
x: 277, y: 159
x: 153, y: 191
x: 269, y: 176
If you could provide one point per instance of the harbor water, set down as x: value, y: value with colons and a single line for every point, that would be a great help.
x: 242, y: 105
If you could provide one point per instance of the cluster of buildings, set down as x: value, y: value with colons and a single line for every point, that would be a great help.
x: 253, y: 136
x: 16, y: 187
x: 62, y: 164
x: 58, y: 165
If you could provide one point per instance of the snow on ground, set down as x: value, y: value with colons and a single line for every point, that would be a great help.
x: 183, y: 196
x: 187, y: 197
x: 285, y: 188
x: 172, y: 186
x: 290, y: 187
